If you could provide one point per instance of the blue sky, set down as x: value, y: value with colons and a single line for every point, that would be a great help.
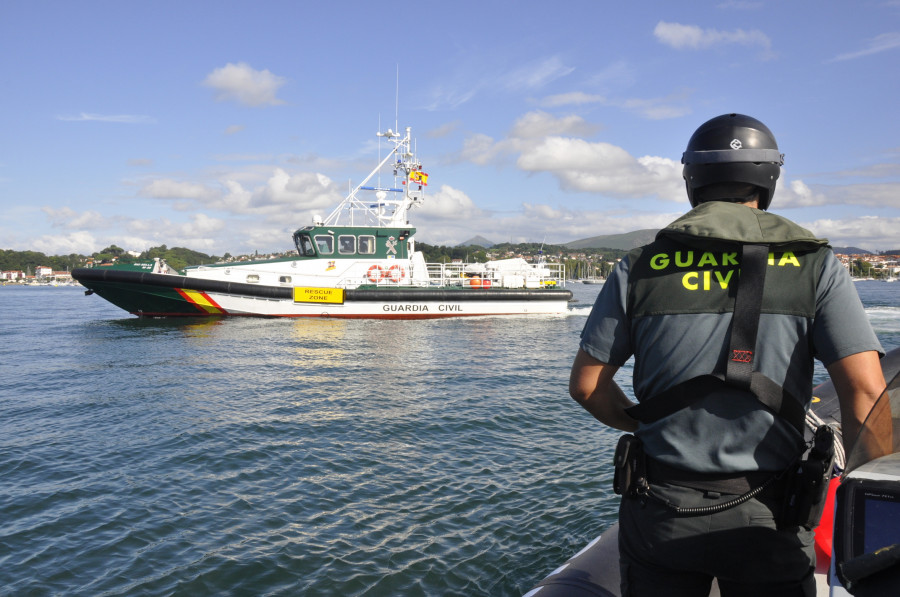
x: 224, y: 126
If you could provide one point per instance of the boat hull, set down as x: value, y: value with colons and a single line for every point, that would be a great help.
x: 164, y: 295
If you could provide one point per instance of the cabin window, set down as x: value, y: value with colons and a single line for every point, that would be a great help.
x: 367, y: 245
x: 305, y: 246
x: 252, y: 278
x: 284, y: 279
x: 325, y: 244
x: 346, y: 244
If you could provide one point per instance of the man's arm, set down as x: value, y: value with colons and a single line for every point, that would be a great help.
x: 591, y: 385
x: 859, y: 382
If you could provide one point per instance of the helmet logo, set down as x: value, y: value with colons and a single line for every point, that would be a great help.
x: 736, y: 144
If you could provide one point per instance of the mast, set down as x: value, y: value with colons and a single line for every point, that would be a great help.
x: 391, y: 204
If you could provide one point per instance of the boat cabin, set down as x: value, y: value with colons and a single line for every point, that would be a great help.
x: 353, y: 242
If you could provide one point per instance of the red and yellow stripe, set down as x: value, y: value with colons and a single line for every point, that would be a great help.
x: 202, y: 301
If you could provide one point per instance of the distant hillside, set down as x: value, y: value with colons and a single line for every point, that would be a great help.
x: 623, y: 242
x: 477, y: 240
x: 630, y: 240
x: 850, y: 251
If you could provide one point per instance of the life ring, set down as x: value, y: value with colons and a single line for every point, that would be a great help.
x: 375, y: 274
x: 395, y: 273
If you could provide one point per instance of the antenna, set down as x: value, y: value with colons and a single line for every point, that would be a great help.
x: 379, y: 146
x: 397, y: 101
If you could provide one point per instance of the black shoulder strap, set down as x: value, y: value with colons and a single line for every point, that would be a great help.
x: 745, y: 322
x: 741, y: 352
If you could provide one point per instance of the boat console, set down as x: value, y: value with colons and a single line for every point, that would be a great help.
x: 866, y: 558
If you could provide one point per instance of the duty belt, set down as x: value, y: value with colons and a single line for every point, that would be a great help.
x: 730, y: 483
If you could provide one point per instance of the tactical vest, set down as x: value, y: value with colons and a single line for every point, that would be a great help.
x: 694, y: 266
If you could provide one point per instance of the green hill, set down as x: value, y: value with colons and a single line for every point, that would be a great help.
x: 622, y: 242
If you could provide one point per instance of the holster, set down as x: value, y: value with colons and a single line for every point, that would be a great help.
x: 806, y: 483
x: 630, y: 476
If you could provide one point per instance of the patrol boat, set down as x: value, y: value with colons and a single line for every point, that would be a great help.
x: 857, y: 541
x: 359, y: 262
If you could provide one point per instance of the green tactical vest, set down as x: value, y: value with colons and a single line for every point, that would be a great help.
x: 693, y: 266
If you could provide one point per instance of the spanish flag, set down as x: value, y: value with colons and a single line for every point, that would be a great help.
x: 419, y: 177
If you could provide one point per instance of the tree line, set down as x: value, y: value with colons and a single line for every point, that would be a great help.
x: 27, y: 261
x: 590, y: 262
x: 580, y: 263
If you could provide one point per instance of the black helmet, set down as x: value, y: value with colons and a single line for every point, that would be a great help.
x: 732, y: 148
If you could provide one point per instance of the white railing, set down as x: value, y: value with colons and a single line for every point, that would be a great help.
x: 484, y: 276
x: 460, y: 275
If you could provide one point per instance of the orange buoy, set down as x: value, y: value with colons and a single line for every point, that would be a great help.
x: 395, y: 273
x: 375, y: 274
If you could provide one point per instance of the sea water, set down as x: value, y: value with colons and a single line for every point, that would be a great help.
x: 298, y: 457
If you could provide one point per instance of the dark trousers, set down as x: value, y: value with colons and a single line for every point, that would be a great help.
x: 662, y: 553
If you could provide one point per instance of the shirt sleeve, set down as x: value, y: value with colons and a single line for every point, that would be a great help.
x: 841, y: 327
x: 607, y: 333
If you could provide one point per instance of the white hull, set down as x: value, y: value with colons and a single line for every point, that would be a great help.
x: 241, y: 305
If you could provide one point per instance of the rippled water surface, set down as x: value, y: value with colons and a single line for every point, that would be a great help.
x: 297, y: 457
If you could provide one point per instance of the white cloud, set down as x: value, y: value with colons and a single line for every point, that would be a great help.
x: 527, y: 131
x: 302, y: 191
x: 867, y: 232
x: 885, y: 170
x: 796, y: 193
x: 117, y: 118
x: 540, y: 124
x: 172, y: 189
x: 199, y: 227
x: 871, y: 195
x: 245, y: 85
x: 448, y: 97
x: 740, y: 5
x: 80, y: 242
x: 91, y: 232
x: 67, y: 218
x: 450, y: 204
x: 480, y: 149
x: 454, y: 91
x: 876, y: 45
x: 574, y: 98
x: 692, y: 37
x: 539, y: 141
x: 444, y: 130
x: 673, y: 106
x: 617, y: 75
x: 604, y: 168
x: 234, y: 128
x: 536, y: 75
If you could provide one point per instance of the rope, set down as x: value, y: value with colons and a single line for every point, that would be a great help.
x: 813, y: 421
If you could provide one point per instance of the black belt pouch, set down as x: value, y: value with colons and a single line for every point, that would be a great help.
x: 806, y: 483
x: 630, y: 466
